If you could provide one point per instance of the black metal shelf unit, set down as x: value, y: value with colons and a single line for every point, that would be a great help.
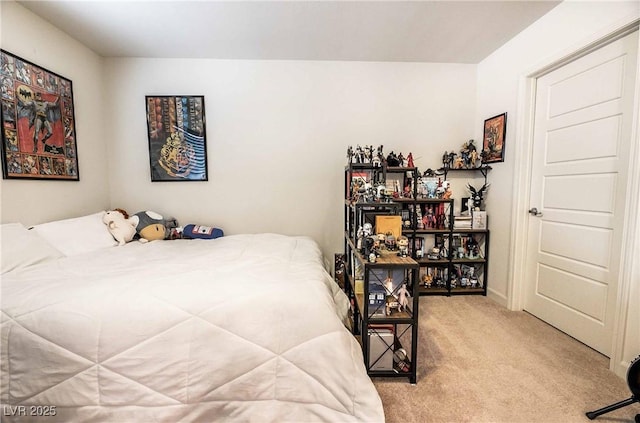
x: 387, y: 331
x: 463, y: 267
x: 388, y: 335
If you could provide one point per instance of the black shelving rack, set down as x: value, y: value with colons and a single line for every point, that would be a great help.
x: 389, y: 340
x: 388, y: 337
x: 361, y: 276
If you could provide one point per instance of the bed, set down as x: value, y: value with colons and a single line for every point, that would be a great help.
x: 240, y: 328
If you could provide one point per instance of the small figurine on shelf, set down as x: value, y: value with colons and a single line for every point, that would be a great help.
x: 403, y: 297
x: 473, y: 279
x: 367, y: 154
x: 388, y: 286
x: 439, y: 244
x: 359, y: 155
x: 392, y: 160
x: 458, y: 163
x: 434, y: 253
x: 452, y: 158
x: 464, y: 280
x: 390, y: 241
x: 473, y: 251
x: 429, y: 218
x: 376, y: 246
x: 427, y: 279
x: 406, y: 193
x: 464, y: 155
x: 383, y: 194
x: 477, y: 195
x: 446, y: 160
x: 367, y: 246
x: 363, y: 234
x: 469, y: 155
x: 400, y: 159
x: 455, y: 278
x: 410, y: 160
x: 367, y: 229
x: 378, y: 160
x: 431, y: 185
x: 447, y: 192
x: 403, y: 246
x: 391, y: 303
x: 442, y: 187
x: 473, y: 154
x: 359, y: 236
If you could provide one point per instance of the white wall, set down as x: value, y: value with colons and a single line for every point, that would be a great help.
x: 277, y: 135
x: 28, y: 201
x: 562, y: 29
x: 567, y: 28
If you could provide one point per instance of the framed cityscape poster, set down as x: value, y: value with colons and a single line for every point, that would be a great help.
x: 38, y: 123
x: 177, y: 138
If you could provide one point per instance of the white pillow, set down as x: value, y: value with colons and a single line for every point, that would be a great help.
x: 21, y: 247
x: 78, y: 235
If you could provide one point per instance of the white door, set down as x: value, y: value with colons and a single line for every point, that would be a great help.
x: 582, y: 133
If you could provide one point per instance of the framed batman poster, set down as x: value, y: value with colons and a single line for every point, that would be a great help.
x: 38, y: 123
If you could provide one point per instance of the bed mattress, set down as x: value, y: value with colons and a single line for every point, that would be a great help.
x: 241, y: 328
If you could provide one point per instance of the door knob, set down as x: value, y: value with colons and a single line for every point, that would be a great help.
x: 534, y: 211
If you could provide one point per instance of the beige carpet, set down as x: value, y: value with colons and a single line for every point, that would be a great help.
x: 479, y: 362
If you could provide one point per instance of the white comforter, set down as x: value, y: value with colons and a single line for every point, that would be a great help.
x: 241, y: 328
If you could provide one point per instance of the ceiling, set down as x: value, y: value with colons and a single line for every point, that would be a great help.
x: 413, y: 31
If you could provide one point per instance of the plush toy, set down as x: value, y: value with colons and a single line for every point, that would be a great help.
x: 151, y: 226
x: 120, y: 226
x: 203, y: 232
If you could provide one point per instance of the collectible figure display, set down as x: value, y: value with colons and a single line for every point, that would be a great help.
x: 388, y: 292
x: 368, y: 186
x: 467, y: 158
x: 403, y: 246
x: 38, y: 123
x: 477, y: 196
x: 449, y: 250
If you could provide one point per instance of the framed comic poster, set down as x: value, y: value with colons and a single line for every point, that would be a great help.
x: 38, y: 123
x: 495, y: 131
x: 177, y: 138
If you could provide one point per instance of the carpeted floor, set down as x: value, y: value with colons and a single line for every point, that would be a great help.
x: 479, y: 362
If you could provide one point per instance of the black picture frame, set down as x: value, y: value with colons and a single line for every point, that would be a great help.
x: 38, y: 122
x: 176, y: 127
x: 493, y: 141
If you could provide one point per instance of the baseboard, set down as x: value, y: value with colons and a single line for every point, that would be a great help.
x: 497, y: 297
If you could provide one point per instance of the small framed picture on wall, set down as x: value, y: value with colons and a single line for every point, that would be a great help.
x: 177, y: 138
x: 495, y: 131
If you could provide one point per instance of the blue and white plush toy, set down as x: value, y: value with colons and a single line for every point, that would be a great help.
x: 202, y: 232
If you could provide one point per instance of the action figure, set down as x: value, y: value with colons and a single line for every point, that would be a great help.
x: 403, y: 297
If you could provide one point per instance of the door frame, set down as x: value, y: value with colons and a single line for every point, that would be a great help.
x: 516, y: 290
